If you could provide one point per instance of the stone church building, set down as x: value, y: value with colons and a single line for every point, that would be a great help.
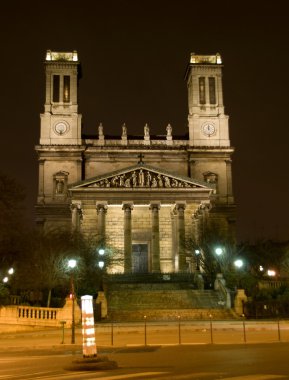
x: 144, y: 194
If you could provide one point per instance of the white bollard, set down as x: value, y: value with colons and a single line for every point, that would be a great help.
x: 88, y: 333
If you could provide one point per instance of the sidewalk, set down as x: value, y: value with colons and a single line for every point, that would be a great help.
x: 41, y: 339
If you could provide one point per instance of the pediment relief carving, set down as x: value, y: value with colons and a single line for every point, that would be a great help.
x: 143, y: 178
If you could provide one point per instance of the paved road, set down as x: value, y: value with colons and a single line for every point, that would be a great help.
x: 203, y: 362
x: 40, y: 354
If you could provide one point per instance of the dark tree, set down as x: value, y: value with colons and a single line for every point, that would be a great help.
x: 12, y: 196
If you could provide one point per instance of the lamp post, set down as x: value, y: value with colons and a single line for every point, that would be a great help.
x: 72, y: 264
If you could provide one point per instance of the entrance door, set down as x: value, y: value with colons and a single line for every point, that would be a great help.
x: 140, y: 262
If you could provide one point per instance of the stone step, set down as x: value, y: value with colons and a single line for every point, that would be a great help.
x: 171, y: 315
x: 163, y: 299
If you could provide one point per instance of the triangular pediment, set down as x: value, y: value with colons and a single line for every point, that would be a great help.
x: 141, y: 176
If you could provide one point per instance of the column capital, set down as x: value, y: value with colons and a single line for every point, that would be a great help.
x: 181, y: 205
x: 127, y: 205
x: 155, y: 205
x: 101, y: 206
x: 205, y: 206
x: 75, y: 205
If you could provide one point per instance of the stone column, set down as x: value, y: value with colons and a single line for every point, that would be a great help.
x: 196, y: 226
x: 101, y: 209
x: 229, y: 181
x: 205, y: 220
x: 127, y: 207
x: 76, y: 215
x: 219, y: 90
x: 155, y: 241
x: 154, y: 207
x: 41, y: 181
x: 79, y: 168
x: 174, y: 241
x: 180, y: 207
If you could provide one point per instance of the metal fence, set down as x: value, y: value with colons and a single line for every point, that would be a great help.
x: 192, y: 332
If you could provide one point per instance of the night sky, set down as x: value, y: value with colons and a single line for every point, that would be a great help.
x: 134, y: 55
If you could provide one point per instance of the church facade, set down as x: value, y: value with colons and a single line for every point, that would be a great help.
x: 142, y: 195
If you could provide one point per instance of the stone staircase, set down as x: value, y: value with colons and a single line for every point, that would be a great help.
x: 164, y: 301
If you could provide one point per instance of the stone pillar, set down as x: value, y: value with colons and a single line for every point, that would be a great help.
x: 174, y: 241
x: 180, y: 207
x: 203, y: 215
x: 154, y: 207
x: 101, y: 211
x: 196, y: 226
x: 229, y: 181
x: 127, y: 207
x: 101, y: 299
x: 79, y: 169
x: 41, y: 181
x: 219, y: 90
x: 76, y: 215
x: 240, y: 300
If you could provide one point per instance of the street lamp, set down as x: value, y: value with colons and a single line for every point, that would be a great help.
x: 10, y: 272
x: 238, y: 263
x: 218, y: 251
x: 197, y: 253
x: 72, y: 264
x: 101, y: 262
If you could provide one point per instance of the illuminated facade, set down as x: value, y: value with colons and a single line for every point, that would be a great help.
x: 143, y: 194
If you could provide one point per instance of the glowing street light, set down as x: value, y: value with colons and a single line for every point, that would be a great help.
x: 72, y: 264
x: 271, y: 273
x: 101, y: 251
x: 197, y: 253
x: 219, y: 251
x: 101, y: 264
x: 6, y: 278
x: 238, y: 263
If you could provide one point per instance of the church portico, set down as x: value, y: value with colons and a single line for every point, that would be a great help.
x: 147, y: 236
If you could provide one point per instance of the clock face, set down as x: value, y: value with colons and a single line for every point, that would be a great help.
x: 208, y: 129
x: 61, y: 128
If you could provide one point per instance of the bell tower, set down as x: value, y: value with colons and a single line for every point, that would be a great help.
x: 208, y: 125
x: 60, y: 122
x: 60, y: 149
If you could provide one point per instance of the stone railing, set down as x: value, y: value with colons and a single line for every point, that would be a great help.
x: 275, y: 284
x: 37, y: 313
x: 40, y: 316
